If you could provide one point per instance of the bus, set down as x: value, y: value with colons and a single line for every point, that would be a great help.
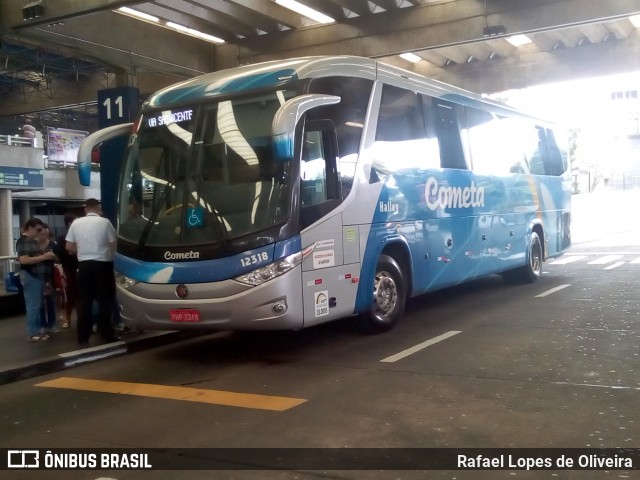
x: 289, y: 193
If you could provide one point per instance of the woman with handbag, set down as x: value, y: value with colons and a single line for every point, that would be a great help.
x: 32, y: 275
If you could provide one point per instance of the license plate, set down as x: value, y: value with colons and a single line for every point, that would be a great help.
x: 184, y: 315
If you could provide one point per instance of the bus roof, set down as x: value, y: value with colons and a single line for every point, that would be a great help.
x: 281, y: 72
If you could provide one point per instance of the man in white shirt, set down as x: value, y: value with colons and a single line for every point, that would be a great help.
x: 93, y: 239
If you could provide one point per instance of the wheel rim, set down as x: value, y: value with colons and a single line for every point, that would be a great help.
x: 385, y: 296
x: 535, y: 257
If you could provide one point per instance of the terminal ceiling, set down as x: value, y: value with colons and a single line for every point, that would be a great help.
x: 79, y: 46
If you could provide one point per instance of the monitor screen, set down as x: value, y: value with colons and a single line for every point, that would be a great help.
x: 63, y: 144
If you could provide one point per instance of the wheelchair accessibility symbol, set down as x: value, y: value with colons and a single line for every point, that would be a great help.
x: 195, y: 217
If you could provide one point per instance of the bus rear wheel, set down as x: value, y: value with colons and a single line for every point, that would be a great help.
x: 532, y: 269
x: 389, y: 298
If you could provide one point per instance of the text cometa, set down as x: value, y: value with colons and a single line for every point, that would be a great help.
x: 440, y: 196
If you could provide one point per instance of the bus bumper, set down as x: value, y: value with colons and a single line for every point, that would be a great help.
x: 225, y: 305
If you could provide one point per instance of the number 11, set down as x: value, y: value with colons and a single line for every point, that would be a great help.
x: 118, y: 102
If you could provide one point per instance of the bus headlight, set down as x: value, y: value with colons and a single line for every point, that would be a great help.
x: 125, y: 282
x: 264, y: 274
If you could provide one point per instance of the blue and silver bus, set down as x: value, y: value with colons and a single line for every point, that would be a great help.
x: 290, y: 193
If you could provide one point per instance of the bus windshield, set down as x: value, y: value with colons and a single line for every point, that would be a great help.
x: 204, y: 174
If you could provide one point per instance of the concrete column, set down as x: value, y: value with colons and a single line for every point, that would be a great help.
x: 24, y: 213
x: 6, y: 223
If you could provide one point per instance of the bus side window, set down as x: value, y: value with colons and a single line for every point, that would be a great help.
x: 319, y: 183
x: 402, y: 141
x: 548, y: 159
x: 313, y: 170
x: 348, y: 116
x: 448, y: 131
x: 557, y: 162
x: 538, y: 158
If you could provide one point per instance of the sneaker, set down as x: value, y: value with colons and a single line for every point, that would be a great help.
x: 65, y: 325
x: 53, y: 330
x: 38, y: 338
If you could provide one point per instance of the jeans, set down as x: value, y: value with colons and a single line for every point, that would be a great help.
x: 48, y: 312
x: 32, y: 289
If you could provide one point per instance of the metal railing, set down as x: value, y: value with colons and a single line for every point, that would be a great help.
x: 16, y: 140
x: 8, y: 264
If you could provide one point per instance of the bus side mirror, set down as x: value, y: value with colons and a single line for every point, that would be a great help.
x: 287, y: 117
x: 92, y: 141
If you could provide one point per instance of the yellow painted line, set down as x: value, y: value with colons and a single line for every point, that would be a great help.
x: 187, y: 394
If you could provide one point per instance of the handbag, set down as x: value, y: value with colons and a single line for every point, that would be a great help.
x: 12, y: 282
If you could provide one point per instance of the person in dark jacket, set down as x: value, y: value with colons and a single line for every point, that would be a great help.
x: 32, y: 275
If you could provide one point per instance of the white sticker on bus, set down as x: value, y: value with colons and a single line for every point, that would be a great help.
x: 325, y: 243
x: 324, y: 259
x: 321, y: 301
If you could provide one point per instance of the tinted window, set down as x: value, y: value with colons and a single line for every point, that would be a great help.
x: 448, y: 132
x: 402, y: 141
x: 347, y: 117
x: 498, y: 145
x: 400, y: 116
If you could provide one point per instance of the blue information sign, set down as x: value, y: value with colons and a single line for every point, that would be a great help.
x: 115, y: 106
x: 21, y: 178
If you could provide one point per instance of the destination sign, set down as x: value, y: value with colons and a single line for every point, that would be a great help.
x: 166, y: 118
x: 20, y: 177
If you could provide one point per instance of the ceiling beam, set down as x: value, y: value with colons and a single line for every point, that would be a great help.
x: 433, y: 57
x: 273, y: 10
x: 57, y: 11
x: 596, y: 32
x: 386, y: 4
x: 327, y: 7
x: 430, y: 26
x: 621, y: 28
x: 570, y: 37
x: 538, y: 68
x: 231, y: 13
x: 501, y: 46
x: 359, y: 7
x: 138, y: 45
x: 198, y: 17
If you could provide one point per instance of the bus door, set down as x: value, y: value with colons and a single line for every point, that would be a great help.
x: 327, y: 283
x: 449, y: 230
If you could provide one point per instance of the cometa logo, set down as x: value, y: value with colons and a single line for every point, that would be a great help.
x: 438, y: 196
x: 181, y: 255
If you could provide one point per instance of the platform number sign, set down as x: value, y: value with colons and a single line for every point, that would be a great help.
x: 117, y: 105
x: 117, y: 102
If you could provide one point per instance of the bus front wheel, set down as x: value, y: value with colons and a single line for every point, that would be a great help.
x: 389, y: 297
x: 532, y: 269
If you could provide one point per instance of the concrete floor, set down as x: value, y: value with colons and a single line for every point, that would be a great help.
x: 549, y: 365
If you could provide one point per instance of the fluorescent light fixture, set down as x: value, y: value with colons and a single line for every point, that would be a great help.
x: 519, y: 40
x: 194, y: 33
x: 635, y: 19
x: 410, y: 57
x: 306, y: 11
x: 136, y: 14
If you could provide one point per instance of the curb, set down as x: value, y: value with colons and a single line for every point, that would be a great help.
x: 84, y: 356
